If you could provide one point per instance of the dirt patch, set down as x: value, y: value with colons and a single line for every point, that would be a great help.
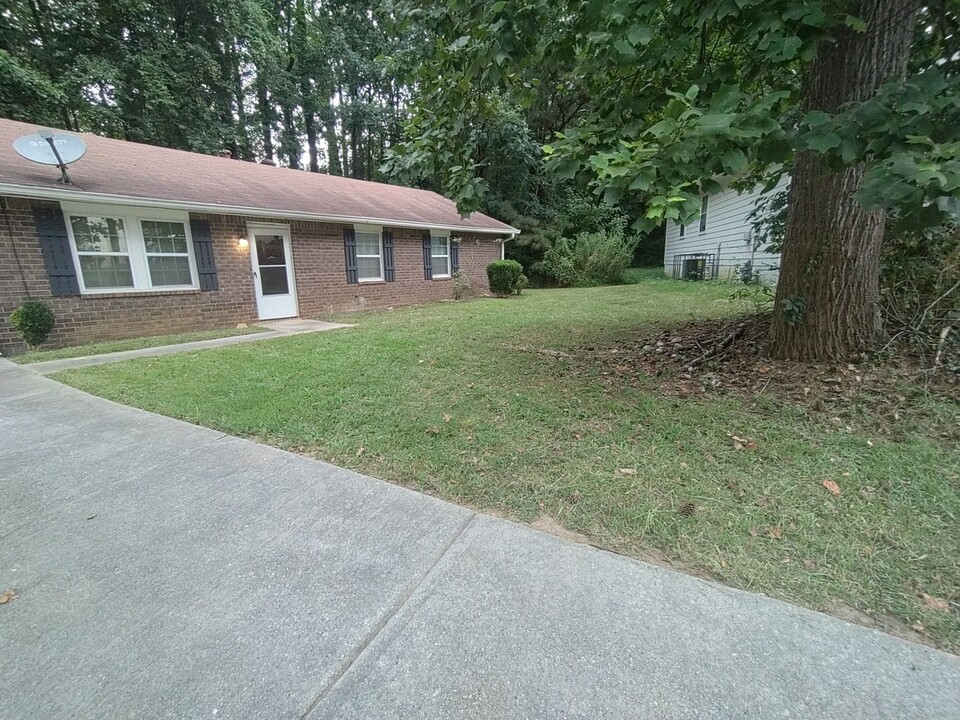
x: 550, y: 525
x: 886, y: 623
x: 726, y: 357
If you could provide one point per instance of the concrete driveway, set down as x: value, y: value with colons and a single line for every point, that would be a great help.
x: 168, y: 571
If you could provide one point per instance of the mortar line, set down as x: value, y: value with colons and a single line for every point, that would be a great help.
x: 385, y: 620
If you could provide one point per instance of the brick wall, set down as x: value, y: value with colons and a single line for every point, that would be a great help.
x: 318, y: 263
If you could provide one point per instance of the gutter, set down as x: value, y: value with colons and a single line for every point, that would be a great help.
x: 32, y: 191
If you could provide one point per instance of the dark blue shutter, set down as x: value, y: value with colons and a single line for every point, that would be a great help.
x: 350, y: 253
x: 427, y: 258
x: 389, y: 271
x: 55, y: 247
x: 454, y: 257
x: 203, y: 251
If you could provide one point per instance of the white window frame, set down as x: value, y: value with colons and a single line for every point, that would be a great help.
x: 136, y: 247
x: 704, y: 211
x: 371, y: 230
x: 440, y: 234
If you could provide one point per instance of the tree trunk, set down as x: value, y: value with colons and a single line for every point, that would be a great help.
x: 826, y: 305
x: 266, y: 117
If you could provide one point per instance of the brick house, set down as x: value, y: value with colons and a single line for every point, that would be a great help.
x: 148, y: 240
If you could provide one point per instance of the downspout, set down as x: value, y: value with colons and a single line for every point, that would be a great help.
x: 503, y: 245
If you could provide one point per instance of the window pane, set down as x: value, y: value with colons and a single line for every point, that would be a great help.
x: 99, y: 234
x: 106, y: 271
x: 270, y: 250
x: 368, y: 244
x: 441, y: 266
x: 438, y: 245
x: 703, y: 212
x: 164, y: 237
x: 273, y: 280
x: 368, y: 268
x: 174, y: 270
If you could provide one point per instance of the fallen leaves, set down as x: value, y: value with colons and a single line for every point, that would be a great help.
x: 742, y: 443
x: 832, y: 486
x: 935, y: 603
x: 7, y: 595
x: 775, y: 533
x: 625, y: 471
x: 447, y: 417
x: 361, y: 451
x: 809, y: 565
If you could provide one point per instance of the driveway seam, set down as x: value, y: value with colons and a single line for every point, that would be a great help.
x: 385, y: 620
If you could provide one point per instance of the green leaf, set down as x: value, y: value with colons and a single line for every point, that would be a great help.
x: 855, y: 23
x: 734, y: 160
x: 823, y: 143
x: 640, y: 34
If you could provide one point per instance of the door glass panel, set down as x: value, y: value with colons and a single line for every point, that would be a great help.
x: 273, y: 265
x: 273, y: 280
x: 270, y: 250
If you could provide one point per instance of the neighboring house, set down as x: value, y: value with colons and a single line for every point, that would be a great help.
x: 721, y: 242
x: 150, y: 240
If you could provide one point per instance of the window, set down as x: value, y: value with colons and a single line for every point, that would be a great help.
x: 123, y: 249
x: 683, y: 230
x: 703, y: 213
x: 104, y: 260
x: 369, y: 256
x: 440, y: 255
x: 167, y: 256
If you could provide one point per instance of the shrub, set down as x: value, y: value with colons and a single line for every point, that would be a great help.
x: 522, y: 282
x: 590, y: 259
x: 503, y: 276
x: 461, y: 285
x: 33, y: 320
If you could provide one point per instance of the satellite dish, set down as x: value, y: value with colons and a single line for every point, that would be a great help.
x: 49, y: 148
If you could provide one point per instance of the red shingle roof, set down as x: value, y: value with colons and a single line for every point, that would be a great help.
x: 128, y: 170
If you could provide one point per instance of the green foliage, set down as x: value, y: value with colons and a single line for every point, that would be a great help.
x: 588, y: 259
x: 33, y: 320
x: 792, y: 308
x: 504, y: 276
x: 461, y: 285
x: 523, y: 282
x: 920, y: 292
x: 680, y: 93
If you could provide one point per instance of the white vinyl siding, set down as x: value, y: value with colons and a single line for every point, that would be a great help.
x: 124, y: 249
x: 728, y: 234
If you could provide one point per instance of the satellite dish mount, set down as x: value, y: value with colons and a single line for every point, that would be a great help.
x: 48, y: 136
x: 49, y: 148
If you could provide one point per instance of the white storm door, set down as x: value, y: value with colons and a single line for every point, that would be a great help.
x: 273, y: 273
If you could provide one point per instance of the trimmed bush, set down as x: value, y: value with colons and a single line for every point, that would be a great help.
x: 33, y: 320
x: 503, y: 276
x: 590, y: 259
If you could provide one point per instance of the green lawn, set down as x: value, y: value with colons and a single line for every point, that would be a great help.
x: 455, y: 399
x: 112, y: 346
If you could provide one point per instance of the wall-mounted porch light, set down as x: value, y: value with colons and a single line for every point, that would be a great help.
x: 243, y: 243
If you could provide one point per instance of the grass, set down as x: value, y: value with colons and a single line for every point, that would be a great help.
x: 112, y: 346
x: 458, y: 400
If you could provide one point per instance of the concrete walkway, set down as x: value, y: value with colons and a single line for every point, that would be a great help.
x: 277, y: 329
x: 168, y: 571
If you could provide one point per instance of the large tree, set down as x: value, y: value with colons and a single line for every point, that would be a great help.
x: 685, y: 93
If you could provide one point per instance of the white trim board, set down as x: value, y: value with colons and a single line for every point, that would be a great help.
x: 64, y: 195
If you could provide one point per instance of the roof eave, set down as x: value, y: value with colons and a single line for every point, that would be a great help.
x: 45, y: 193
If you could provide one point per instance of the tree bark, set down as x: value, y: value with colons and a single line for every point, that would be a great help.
x: 830, y: 266
x: 266, y: 117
